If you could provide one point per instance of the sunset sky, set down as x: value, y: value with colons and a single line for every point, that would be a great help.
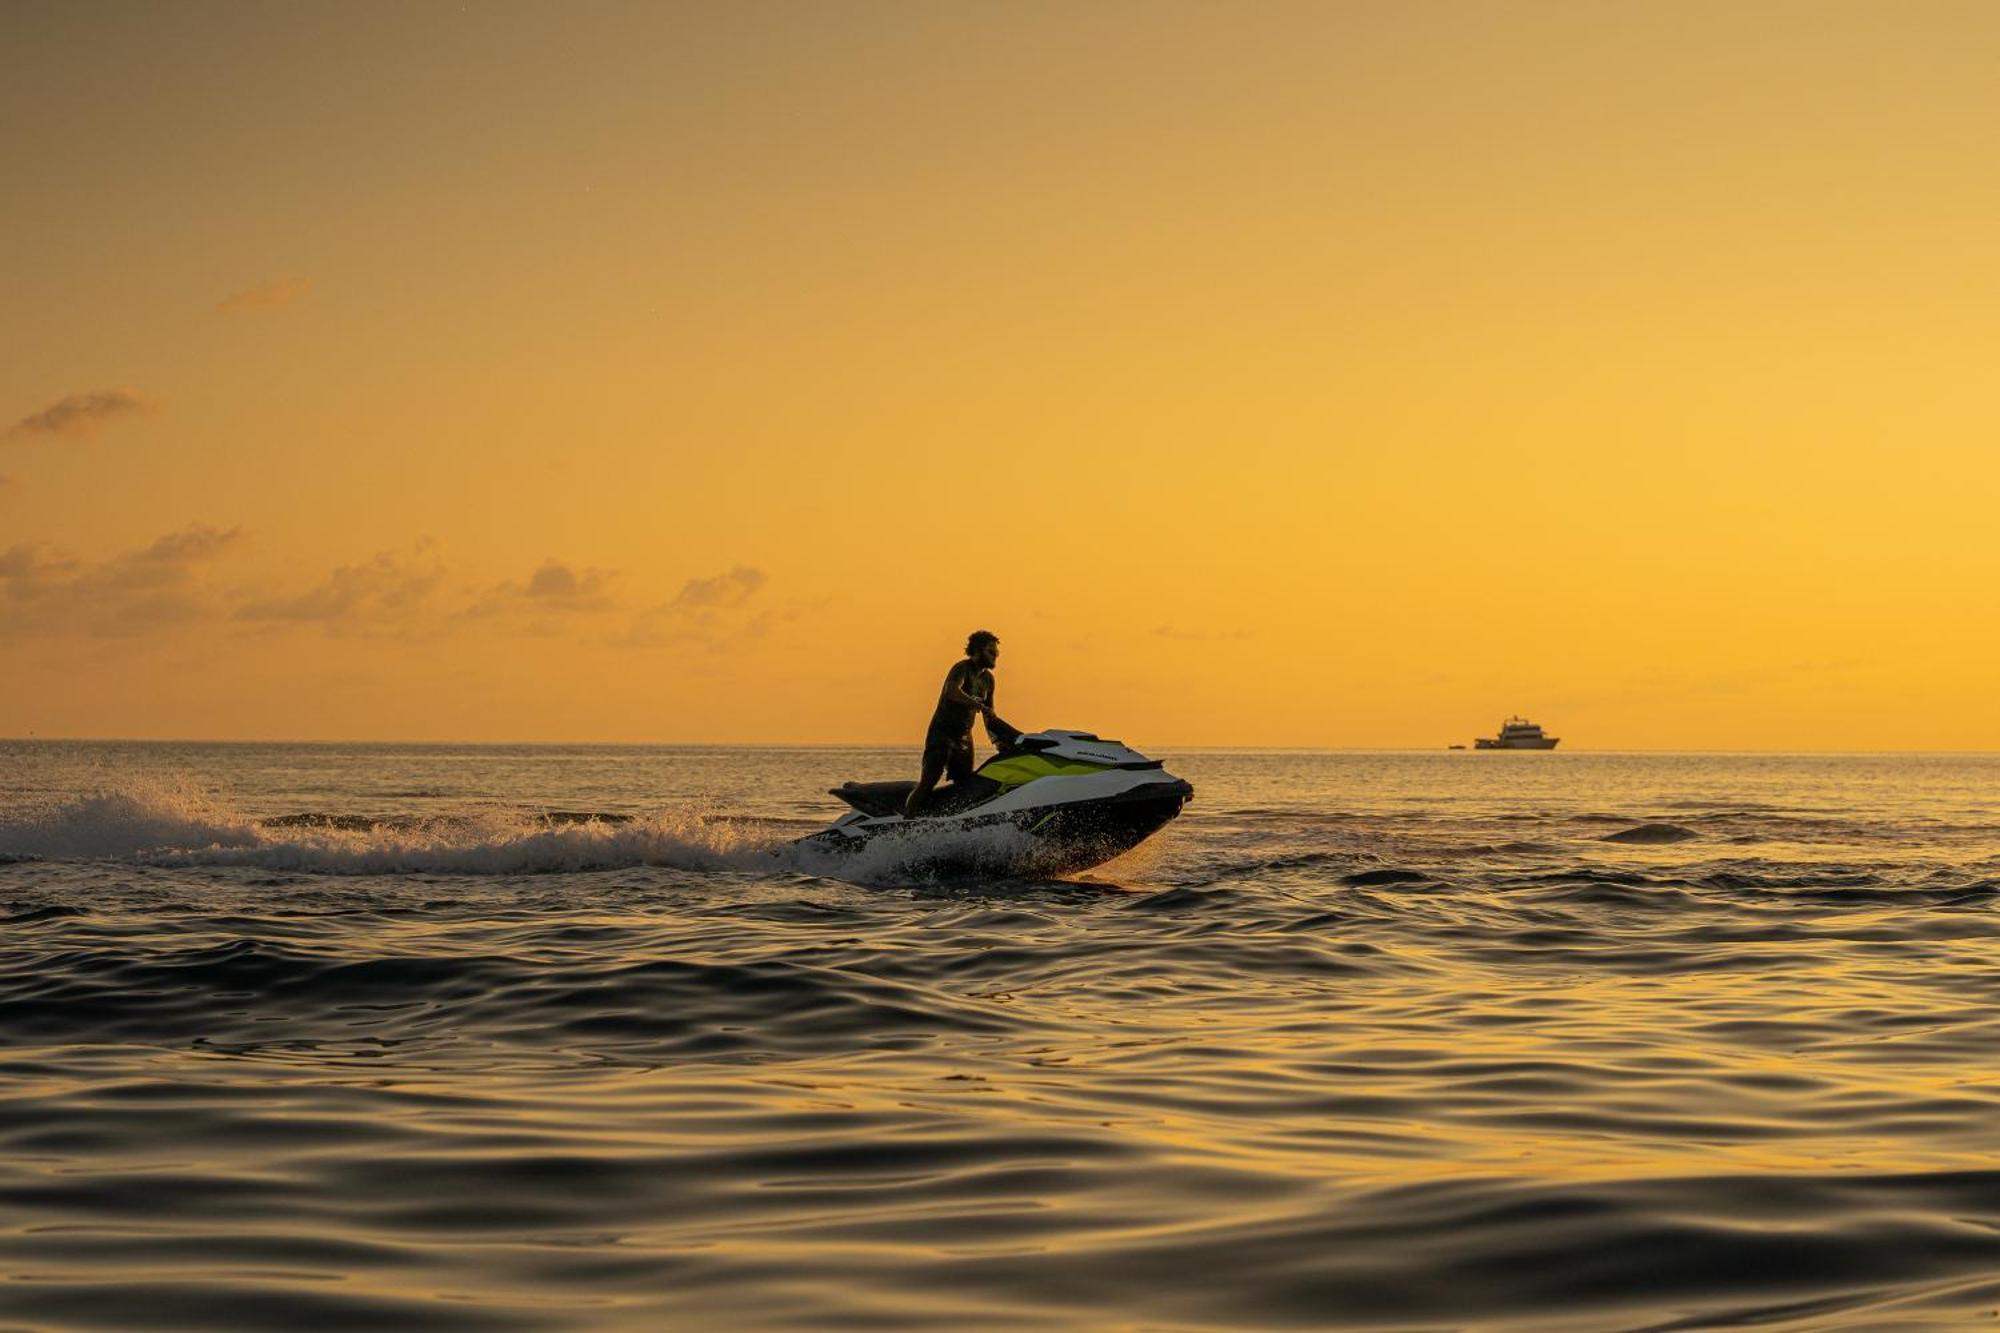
x: 1318, y: 374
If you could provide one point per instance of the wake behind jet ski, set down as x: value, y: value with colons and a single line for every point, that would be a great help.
x: 1047, y: 803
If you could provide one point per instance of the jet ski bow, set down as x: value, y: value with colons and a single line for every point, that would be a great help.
x: 1048, y: 803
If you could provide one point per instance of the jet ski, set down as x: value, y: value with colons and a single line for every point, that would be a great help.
x: 1046, y: 803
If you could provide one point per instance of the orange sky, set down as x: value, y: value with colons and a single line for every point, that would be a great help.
x: 1306, y: 374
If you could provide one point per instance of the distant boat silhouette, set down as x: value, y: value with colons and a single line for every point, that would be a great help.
x: 1516, y: 733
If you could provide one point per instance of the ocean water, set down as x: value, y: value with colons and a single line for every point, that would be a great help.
x: 516, y: 1038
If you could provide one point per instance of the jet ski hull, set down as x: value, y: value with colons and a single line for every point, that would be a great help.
x: 1047, y: 837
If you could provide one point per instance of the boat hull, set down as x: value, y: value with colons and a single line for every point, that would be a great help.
x: 1545, y: 743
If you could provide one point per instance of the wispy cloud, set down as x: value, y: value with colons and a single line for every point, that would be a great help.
x: 709, y: 611
x: 734, y: 588
x: 271, y: 296
x: 389, y: 594
x: 152, y: 588
x: 554, y: 591
x: 80, y: 415
x: 405, y: 593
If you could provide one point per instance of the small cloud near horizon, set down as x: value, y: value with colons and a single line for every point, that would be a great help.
x: 555, y: 588
x: 555, y: 583
x: 387, y: 594
x: 734, y: 588
x: 155, y: 587
x: 711, y: 612
x: 80, y: 415
x: 271, y: 296
x: 405, y: 594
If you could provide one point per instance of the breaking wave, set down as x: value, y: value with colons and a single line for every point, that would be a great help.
x: 165, y: 824
x: 179, y: 825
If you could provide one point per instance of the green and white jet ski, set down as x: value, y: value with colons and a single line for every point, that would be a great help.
x: 1049, y: 803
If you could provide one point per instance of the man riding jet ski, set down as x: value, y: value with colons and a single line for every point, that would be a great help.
x: 1048, y: 803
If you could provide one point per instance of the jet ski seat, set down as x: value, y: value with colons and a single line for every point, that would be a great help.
x: 876, y: 798
x: 887, y: 798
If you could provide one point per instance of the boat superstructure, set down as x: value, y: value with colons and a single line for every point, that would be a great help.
x: 1517, y: 733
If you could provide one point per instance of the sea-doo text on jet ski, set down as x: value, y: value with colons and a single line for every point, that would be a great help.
x: 1050, y: 803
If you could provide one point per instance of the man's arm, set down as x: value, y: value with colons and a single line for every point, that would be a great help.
x: 997, y: 731
x: 955, y: 681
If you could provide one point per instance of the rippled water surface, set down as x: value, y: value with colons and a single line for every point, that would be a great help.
x: 426, y: 1037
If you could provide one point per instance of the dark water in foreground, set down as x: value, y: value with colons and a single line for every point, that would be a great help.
x: 1534, y: 1041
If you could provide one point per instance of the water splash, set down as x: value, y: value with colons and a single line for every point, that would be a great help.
x: 178, y: 824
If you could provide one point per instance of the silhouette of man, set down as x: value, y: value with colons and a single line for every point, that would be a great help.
x: 968, y: 690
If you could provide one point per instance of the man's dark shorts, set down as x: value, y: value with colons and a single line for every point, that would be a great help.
x: 949, y: 754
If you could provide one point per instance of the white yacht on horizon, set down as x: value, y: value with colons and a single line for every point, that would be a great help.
x: 1516, y: 733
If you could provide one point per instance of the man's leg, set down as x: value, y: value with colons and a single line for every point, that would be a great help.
x: 933, y: 770
x: 958, y: 765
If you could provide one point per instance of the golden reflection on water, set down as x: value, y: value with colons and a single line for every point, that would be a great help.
x: 1373, y: 1058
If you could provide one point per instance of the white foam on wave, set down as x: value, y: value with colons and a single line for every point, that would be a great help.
x: 176, y: 824
x: 126, y: 821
